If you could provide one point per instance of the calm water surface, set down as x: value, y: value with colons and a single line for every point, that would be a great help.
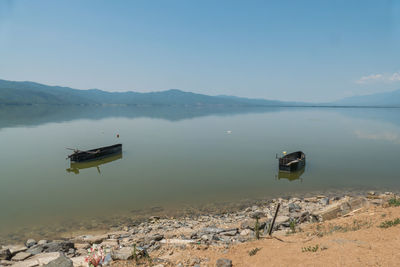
x: 181, y: 157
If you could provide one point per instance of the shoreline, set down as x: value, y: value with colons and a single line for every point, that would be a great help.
x: 155, y: 234
x: 68, y: 227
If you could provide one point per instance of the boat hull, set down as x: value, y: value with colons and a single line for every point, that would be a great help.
x: 95, y: 154
x: 292, y: 162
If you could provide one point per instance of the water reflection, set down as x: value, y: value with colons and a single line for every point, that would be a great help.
x: 291, y: 176
x: 75, y: 167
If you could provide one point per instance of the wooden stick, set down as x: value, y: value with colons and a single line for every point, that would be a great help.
x: 273, y: 220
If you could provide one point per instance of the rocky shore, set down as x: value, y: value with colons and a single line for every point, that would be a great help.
x: 154, y: 241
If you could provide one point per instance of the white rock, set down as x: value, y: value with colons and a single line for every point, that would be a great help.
x: 79, y: 261
x: 39, y: 259
x: 16, y: 248
x: 246, y: 232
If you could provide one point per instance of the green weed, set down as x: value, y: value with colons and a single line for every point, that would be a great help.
x: 257, y: 229
x: 310, y: 248
x: 394, y: 202
x: 292, y: 225
x: 254, y: 251
x: 387, y: 224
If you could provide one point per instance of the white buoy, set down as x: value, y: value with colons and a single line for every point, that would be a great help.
x: 229, y: 132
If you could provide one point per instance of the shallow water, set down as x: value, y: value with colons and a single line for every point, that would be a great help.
x: 175, y: 157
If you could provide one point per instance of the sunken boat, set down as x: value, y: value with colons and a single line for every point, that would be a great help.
x: 292, y: 162
x: 95, y: 154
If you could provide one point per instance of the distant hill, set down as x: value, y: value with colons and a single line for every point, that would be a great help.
x: 26, y: 93
x: 35, y: 93
x: 387, y: 99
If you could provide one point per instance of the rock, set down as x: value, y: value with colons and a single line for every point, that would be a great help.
x: 230, y: 233
x: 377, y: 202
x: 82, y: 245
x: 211, y: 230
x: 281, y: 219
x: 340, y: 208
x: 58, y: 246
x: 30, y: 242
x: 223, y: 263
x: 324, y: 201
x: 61, y: 261
x: 36, y: 249
x: 251, y: 223
x: 358, y: 203
x: 257, y: 214
x: 71, y: 252
x: 294, y: 207
x: 39, y: 259
x: 5, y: 254
x: 110, y: 243
x: 6, y: 263
x: 246, y: 232
x: 206, y: 237
x: 194, y: 261
x: 177, y: 241
x: 304, y: 216
x: 124, y: 253
x: 15, y: 249
x: 157, y: 237
x: 79, y: 261
x: 81, y: 252
x: 42, y: 242
x: 97, y: 239
x: 311, y: 199
x: 155, y: 247
x: 118, y: 234
x: 20, y: 256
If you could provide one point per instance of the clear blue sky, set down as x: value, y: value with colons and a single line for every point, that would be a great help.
x: 288, y: 50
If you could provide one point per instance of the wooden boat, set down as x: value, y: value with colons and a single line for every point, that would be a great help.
x: 75, y: 167
x: 95, y: 154
x: 292, y: 162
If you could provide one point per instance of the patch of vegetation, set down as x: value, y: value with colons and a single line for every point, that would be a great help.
x: 394, y: 202
x: 254, y: 251
x: 292, y: 225
x: 356, y: 225
x: 310, y: 248
x: 135, y: 256
x: 257, y: 229
x: 390, y: 223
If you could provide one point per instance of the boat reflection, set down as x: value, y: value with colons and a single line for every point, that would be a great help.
x: 75, y: 167
x: 291, y: 176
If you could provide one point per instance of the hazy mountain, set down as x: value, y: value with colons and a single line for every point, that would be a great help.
x: 387, y: 99
x: 35, y: 93
x: 19, y: 93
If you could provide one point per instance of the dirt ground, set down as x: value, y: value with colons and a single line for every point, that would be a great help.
x: 355, y: 240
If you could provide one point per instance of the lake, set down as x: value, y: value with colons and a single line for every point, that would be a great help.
x: 177, y: 158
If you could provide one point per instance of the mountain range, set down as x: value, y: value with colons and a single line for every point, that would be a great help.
x: 28, y: 93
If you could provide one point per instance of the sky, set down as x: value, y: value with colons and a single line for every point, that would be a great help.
x: 286, y: 50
